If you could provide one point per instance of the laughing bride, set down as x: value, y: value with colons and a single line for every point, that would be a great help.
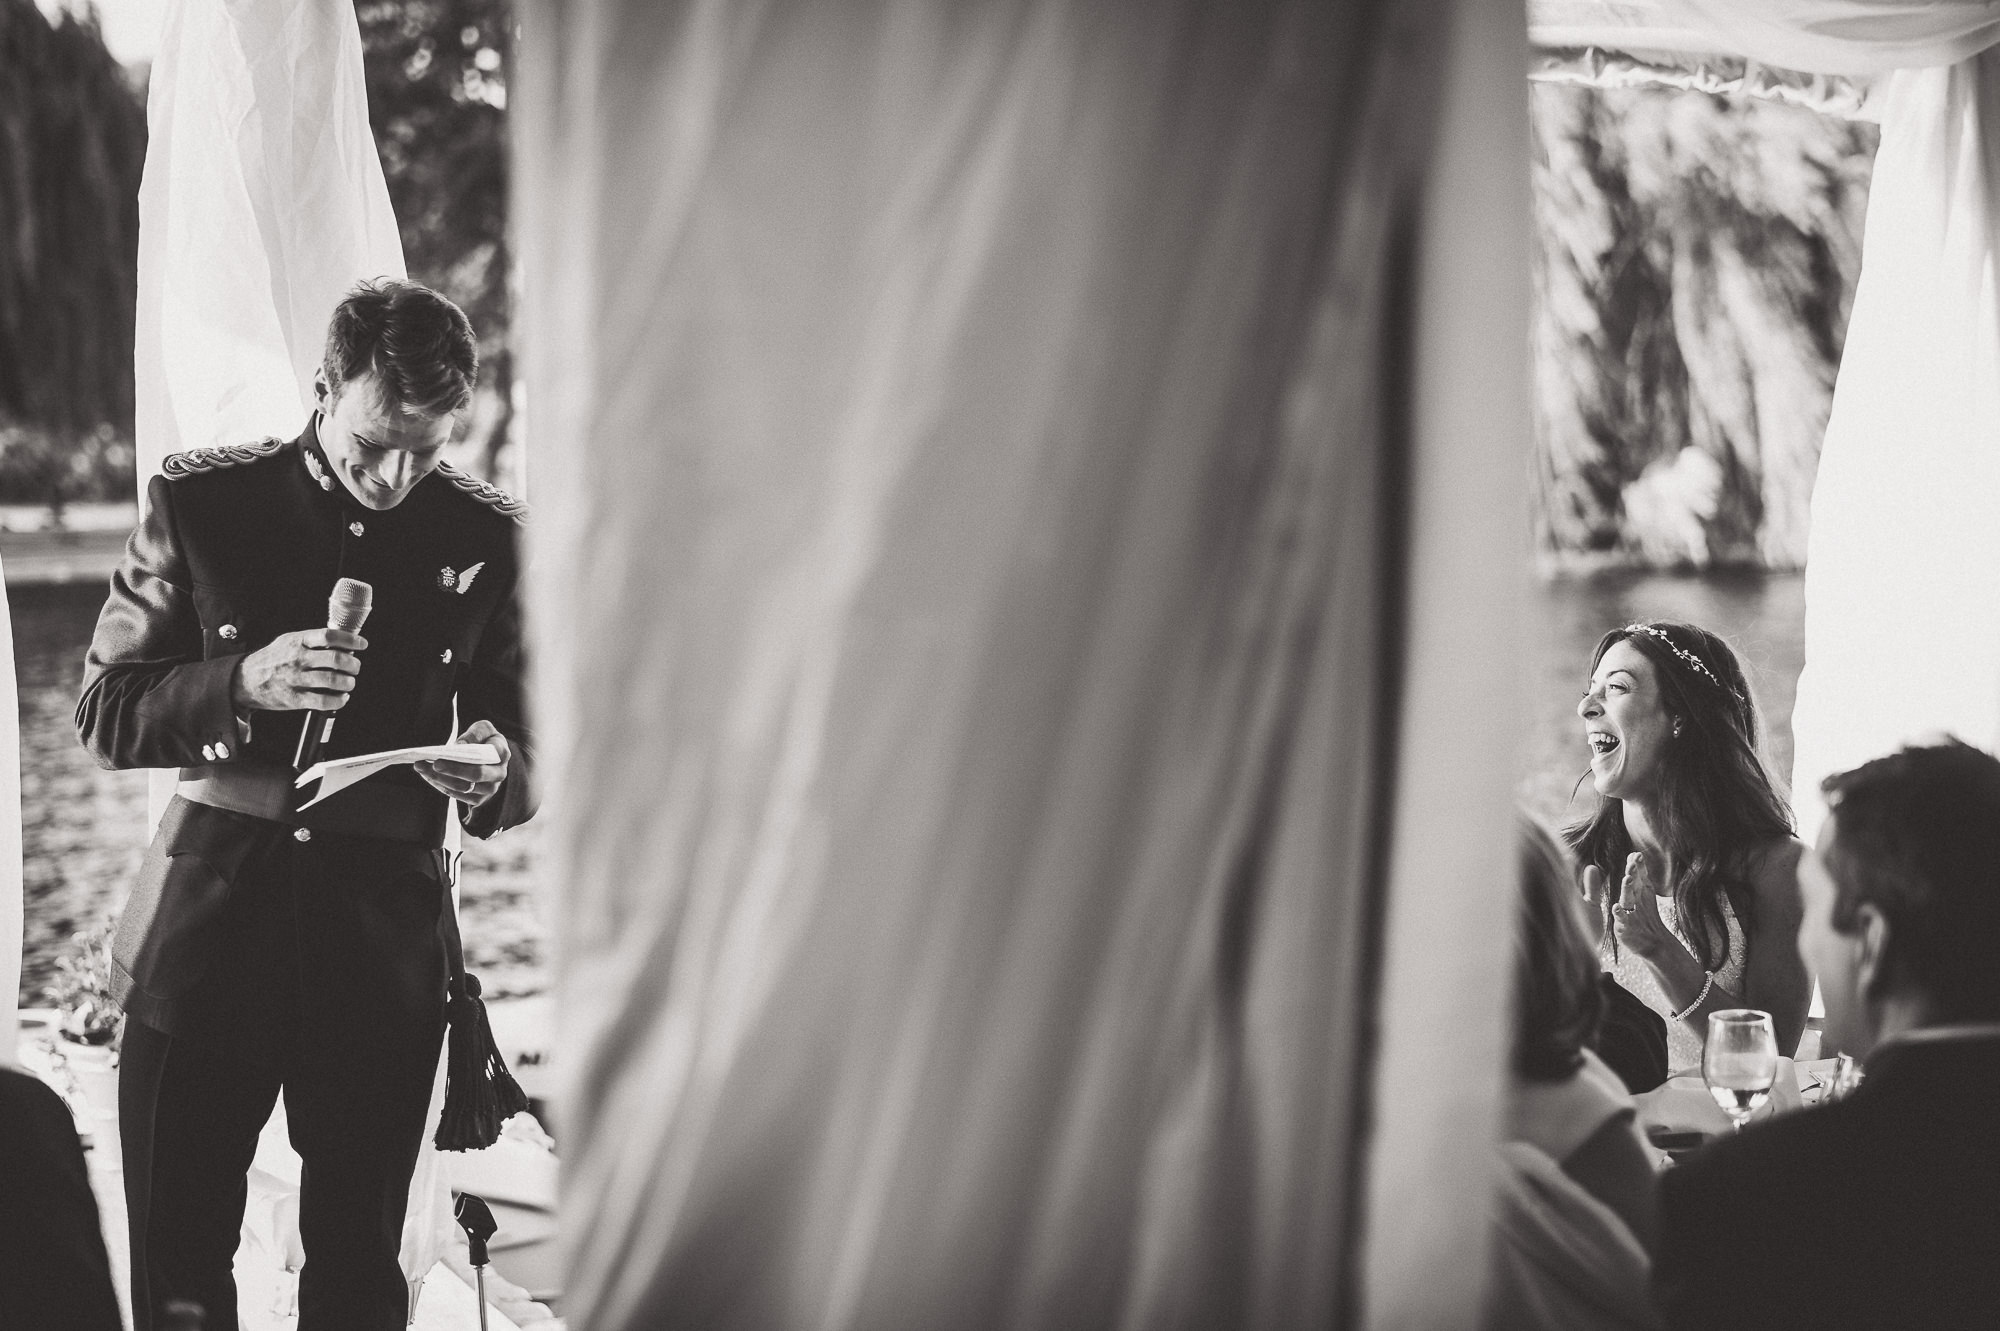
x: 1689, y: 855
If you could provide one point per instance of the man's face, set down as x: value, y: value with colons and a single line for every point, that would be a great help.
x: 378, y: 449
x: 1832, y: 956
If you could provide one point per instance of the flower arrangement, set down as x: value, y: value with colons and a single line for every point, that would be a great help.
x: 81, y: 990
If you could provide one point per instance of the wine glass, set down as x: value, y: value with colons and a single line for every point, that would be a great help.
x: 1740, y: 1061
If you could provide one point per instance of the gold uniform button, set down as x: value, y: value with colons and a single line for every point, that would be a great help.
x: 356, y: 528
x: 208, y: 752
x: 227, y: 633
x: 303, y: 834
x: 221, y: 749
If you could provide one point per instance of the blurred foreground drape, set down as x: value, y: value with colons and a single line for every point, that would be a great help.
x: 1029, y: 524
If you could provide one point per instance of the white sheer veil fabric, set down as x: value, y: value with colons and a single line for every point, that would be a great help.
x: 995, y: 759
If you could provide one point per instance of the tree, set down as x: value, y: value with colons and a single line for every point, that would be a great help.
x: 437, y: 98
x: 72, y: 145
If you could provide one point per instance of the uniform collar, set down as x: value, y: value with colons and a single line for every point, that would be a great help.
x: 313, y: 458
x: 319, y: 471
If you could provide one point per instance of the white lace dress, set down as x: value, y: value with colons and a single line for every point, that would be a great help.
x: 1632, y: 971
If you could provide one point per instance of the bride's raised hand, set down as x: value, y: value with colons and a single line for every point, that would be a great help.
x: 1636, y: 917
x: 1596, y: 895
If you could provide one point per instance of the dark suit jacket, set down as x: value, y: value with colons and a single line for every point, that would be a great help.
x: 238, y: 546
x: 1880, y: 1211
x: 54, y: 1275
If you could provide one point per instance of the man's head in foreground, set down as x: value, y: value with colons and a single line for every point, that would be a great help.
x: 399, y: 366
x: 1902, y: 895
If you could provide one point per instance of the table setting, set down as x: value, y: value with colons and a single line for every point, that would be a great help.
x: 1743, y: 1079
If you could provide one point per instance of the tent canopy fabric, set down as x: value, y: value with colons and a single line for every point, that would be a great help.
x: 1856, y: 37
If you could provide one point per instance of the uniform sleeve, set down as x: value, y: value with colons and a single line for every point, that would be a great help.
x: 149, y: 698
x: 493, y: 691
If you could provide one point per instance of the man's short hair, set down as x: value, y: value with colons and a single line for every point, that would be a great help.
x: 418, y: 345
x: 1917, y: 836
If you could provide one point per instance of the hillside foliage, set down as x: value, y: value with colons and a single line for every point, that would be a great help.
x: 1696, y: 262
x: 72, y: 145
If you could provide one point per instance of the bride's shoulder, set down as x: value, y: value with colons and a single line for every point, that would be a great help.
x: 1778, y: 854
x: 1773, y: 871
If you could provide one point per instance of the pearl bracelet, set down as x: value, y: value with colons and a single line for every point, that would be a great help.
x: 1708, y: 983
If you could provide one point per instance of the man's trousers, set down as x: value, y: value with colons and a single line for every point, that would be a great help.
x: 324, y: 981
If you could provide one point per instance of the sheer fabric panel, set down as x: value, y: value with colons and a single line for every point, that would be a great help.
x: 12, y: 905
x: 1902, y: 623
x: 261, y: 203
x: 972, y: 469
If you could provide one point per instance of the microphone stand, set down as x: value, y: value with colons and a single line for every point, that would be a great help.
x: 475, y: 1217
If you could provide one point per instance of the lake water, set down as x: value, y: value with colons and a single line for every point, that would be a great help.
x: 84, y: 828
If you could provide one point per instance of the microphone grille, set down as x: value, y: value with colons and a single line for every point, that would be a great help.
x: 349, y: 605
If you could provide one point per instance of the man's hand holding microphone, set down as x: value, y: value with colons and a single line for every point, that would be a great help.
x: 314, y: 670
x: 311, y: 670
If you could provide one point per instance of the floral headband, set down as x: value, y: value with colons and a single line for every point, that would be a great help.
x: 1686, y: 657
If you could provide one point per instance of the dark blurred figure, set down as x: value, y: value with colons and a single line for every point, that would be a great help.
x: 1573, y: 1202
x: 54, y: 1275
x: 1882, y: 1210
x: 1631, y: 1037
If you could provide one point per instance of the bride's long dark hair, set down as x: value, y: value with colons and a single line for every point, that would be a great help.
x: 1717, y: 802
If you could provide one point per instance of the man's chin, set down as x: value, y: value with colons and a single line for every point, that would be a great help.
x: 378, y: 500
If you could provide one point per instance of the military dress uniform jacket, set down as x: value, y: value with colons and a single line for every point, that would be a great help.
x: 238, y: 546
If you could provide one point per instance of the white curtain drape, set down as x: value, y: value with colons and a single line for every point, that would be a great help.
x: 1903, y: 564
x: 997, y: 764
x: 262, y: 202
x: 12, y: 906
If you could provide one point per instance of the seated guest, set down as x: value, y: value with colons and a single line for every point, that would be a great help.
x: 1882, y: 1210
x: 54, y: 1275
x: 1632, y: 1038
x: 1573, y: 1214
x: 1689, y: 856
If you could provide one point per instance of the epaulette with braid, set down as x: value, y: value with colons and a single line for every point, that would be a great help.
x: 198, y: 460
x: 490, y: 495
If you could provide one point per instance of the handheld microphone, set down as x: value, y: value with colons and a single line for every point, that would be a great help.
x: 347, y: 609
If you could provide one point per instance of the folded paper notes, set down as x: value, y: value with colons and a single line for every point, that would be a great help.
x: 340, y: 773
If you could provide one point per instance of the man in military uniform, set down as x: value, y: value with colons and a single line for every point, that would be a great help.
x: 268, y: 947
